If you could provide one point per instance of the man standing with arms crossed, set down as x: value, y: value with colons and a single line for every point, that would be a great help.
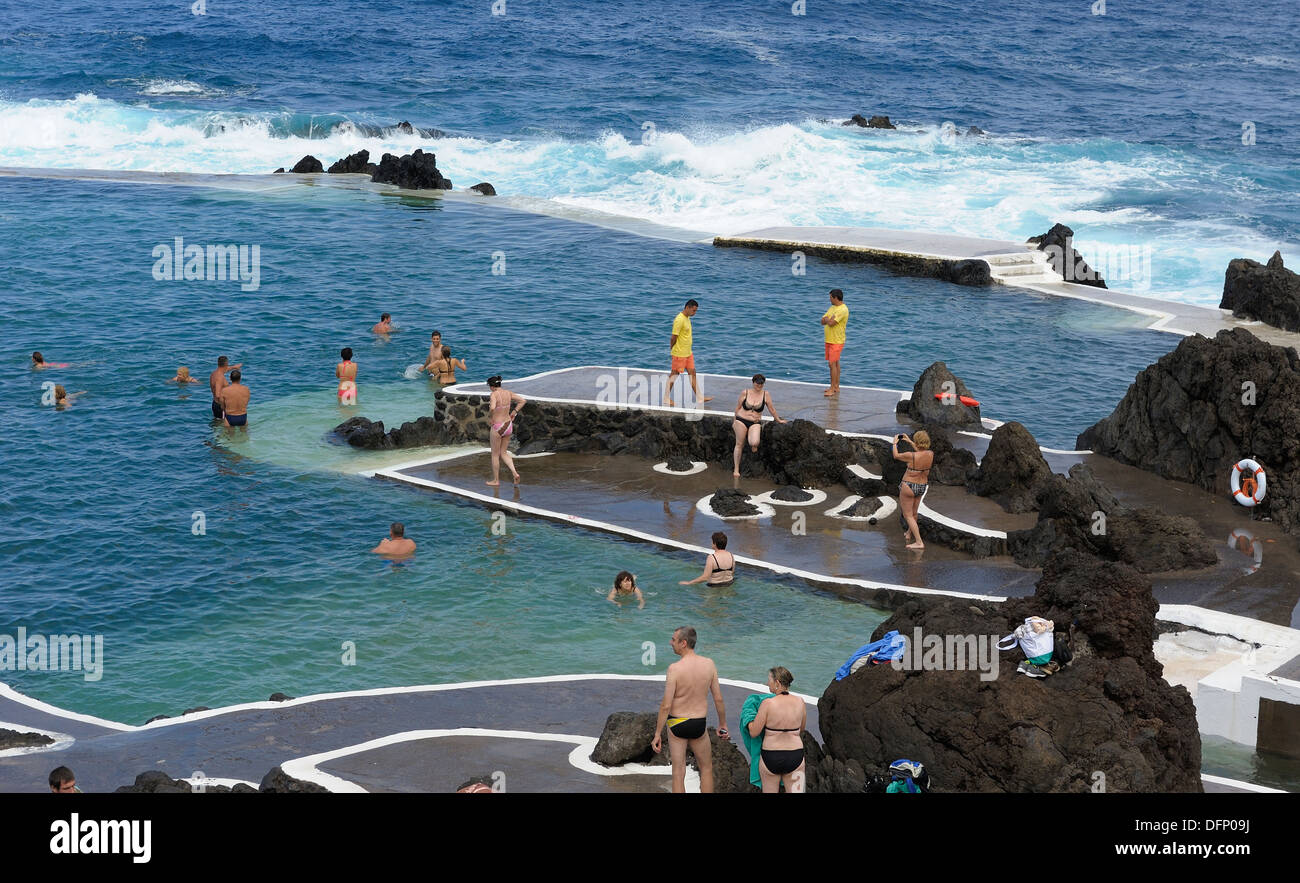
x: 680, y: 350
x: 836, y: 320
x: 685, y: 707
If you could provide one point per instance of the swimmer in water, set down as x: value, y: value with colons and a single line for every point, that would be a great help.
x: 63, y: 398
x: 625, y: 584
x: 445, y: 368
x: 435, y: 352
x: 39, y: 363
x: 384, y: 325
x: 234, y: 401
x: 346, y: 372
x: 395, y: 545
x: 182, y: 376
x: 719, y: 567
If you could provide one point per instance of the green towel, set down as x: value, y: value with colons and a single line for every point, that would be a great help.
x: 753, y: 744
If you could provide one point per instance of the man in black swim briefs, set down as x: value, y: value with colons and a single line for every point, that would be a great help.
x: 685, y: 708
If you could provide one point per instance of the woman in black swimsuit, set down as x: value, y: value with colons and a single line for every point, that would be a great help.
x: 748, y: 423
x: 781, y: 719
x: 719, y: 567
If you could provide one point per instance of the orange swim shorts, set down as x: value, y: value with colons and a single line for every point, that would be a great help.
x: 833, y: 351
x: 683, y: 364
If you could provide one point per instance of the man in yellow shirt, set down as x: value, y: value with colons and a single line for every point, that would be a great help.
x: 680, y: 350
x: 836, y: 319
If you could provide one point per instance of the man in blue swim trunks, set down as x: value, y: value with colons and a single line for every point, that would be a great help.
x: 685, y: 707
x: 234, y: 400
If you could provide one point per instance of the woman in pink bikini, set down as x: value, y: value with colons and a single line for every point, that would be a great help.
x: 346, y: 372
x: 503, y: 426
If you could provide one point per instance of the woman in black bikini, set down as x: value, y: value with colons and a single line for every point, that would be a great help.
x: 916, y: 481
x: 781, y: 719
x: 749, y: 420
x: 714, y: 570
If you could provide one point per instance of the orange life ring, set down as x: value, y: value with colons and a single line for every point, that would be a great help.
x: 965, y: 400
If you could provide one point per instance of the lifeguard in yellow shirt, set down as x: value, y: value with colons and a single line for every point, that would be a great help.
x: 835, y: 320
x: 683, y: 360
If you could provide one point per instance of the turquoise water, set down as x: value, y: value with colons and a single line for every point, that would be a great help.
x: 101, y: 497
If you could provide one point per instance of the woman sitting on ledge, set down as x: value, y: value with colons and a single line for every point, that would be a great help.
x: 916, y: 481
x: 749, y: 418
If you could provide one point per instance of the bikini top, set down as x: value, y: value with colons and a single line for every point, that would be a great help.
x: 744, y: 403
x: 913, y: 467
x: 718, y: 567
x: 779, y: 729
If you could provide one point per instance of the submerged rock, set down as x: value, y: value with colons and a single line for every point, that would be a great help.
x: 948, y: 412
x: 307, y: 164
x: 1058, y: 243
x: 1264, y: 292
x: 1109, y: 710
x: 1013, y: 469
x: 414, y: 171
x: 485, y: 188
x: 1199, y: 409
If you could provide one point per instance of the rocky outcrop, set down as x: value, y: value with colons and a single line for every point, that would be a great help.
x: 1058, y: 243
x: 876, y: 122
x: 484, y: 188
x: 1198, y: 410
x: 949, y: 412
x: 791, y: 494
x: 975, y: 130
x: 308, y: 164
x: 15, y: 739
x: 963, y: 271
x: 360, y: 432
x: 405, y: 128
x: 280, y: 697
x: 414, y: 171
x: 971, y: 271
x: 1108, y: 711
x: 1079, y: 512
x: 1264, y: 292
x: 1013, y: 469
x: 277, y: 781
x: 731, y: 503
x: 678, y: 463
x: 158, y: 782
x: 356, y: 163
x: 627, y: 736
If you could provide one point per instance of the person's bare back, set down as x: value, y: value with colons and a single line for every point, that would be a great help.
x: 234, y: 399
x: 692, y: 678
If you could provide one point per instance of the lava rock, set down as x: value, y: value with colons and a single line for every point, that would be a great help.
x: 1058, y: 242
x: 308, y: 164
x: 730, y: 503
x: 975, y: 130
x: 876, y: 122
x: 405, y: 128
x: 1013, y: 469
x: 15, y: 739
x: 485, y: 188
x: 414, y: 171
x: 279, y: 171
x: 362, y: 433
x: 791, y: 494
x: 1199, y: 409
x: 971, y: 271
x: 924, y: 408
x: 1264, y: 292
x: 277, y: 781
x: 1110, y: 709
x: 352, y: 164
x: 279, y: 697
x: 626, y: 738
x: 156, y: 782
x: 679, y: 463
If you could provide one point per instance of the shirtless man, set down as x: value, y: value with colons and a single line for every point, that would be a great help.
x: 686, y: 709
x: 384, y: 325
x: 435, y: 351
x: 234, y: 401
x: 395, y: 544
x: 217, y: 381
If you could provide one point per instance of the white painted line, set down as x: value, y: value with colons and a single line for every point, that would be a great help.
x: 217, y: 780
x: 958, y: 525
x: 1045, y: 450
x: 886, y: 508
x: 818, y: 497
x: 704, y: 507
x: 861, y: 472
x: 8, y: 692
x: 1237, y: 783
x: 61, y: 740
x: 696, y: 466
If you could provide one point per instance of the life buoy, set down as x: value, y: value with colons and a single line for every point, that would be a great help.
x: 1243, y: 541
x: 965, y: 400
x: 1248, y: 496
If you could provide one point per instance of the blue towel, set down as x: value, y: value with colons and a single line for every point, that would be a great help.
x: 888, y: 648
x: 753, y: 744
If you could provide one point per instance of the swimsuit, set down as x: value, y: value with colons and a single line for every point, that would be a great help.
x: 347, y: 389
x: 687, y: 727
x: 237, y: 419
x: 918, y: 488
x: 217, y: 410
x: 509, y: 425
x: 786, y: 760
x: 746, y: 406
x: 718, y: 568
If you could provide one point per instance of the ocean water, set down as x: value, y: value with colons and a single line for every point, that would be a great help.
x: 1138, y: 145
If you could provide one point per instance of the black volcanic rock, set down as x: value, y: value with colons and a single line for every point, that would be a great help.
x: 626, y: 738
x: 1190, y: 417
x: 352, y: 164
x: 876, y: 122
x: 1265, y: 292
x: 1058, y: 242
x: 15, y: 739
x: 679, y: 463
x: 308, y: 164
x: 924, y: 408
x: 1013, y: 469
x: 1109, y: 710
x: 360, y: 432
x: 363, y: 433
x: 277, y: 781
x: 279, y: 171
x: 731, y: 503
x: 791, y: 494
x: 975, y: 130
x: 485, y: 188
x: 279, y: 697
x: 414, y: 171
x: 971, y: 271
